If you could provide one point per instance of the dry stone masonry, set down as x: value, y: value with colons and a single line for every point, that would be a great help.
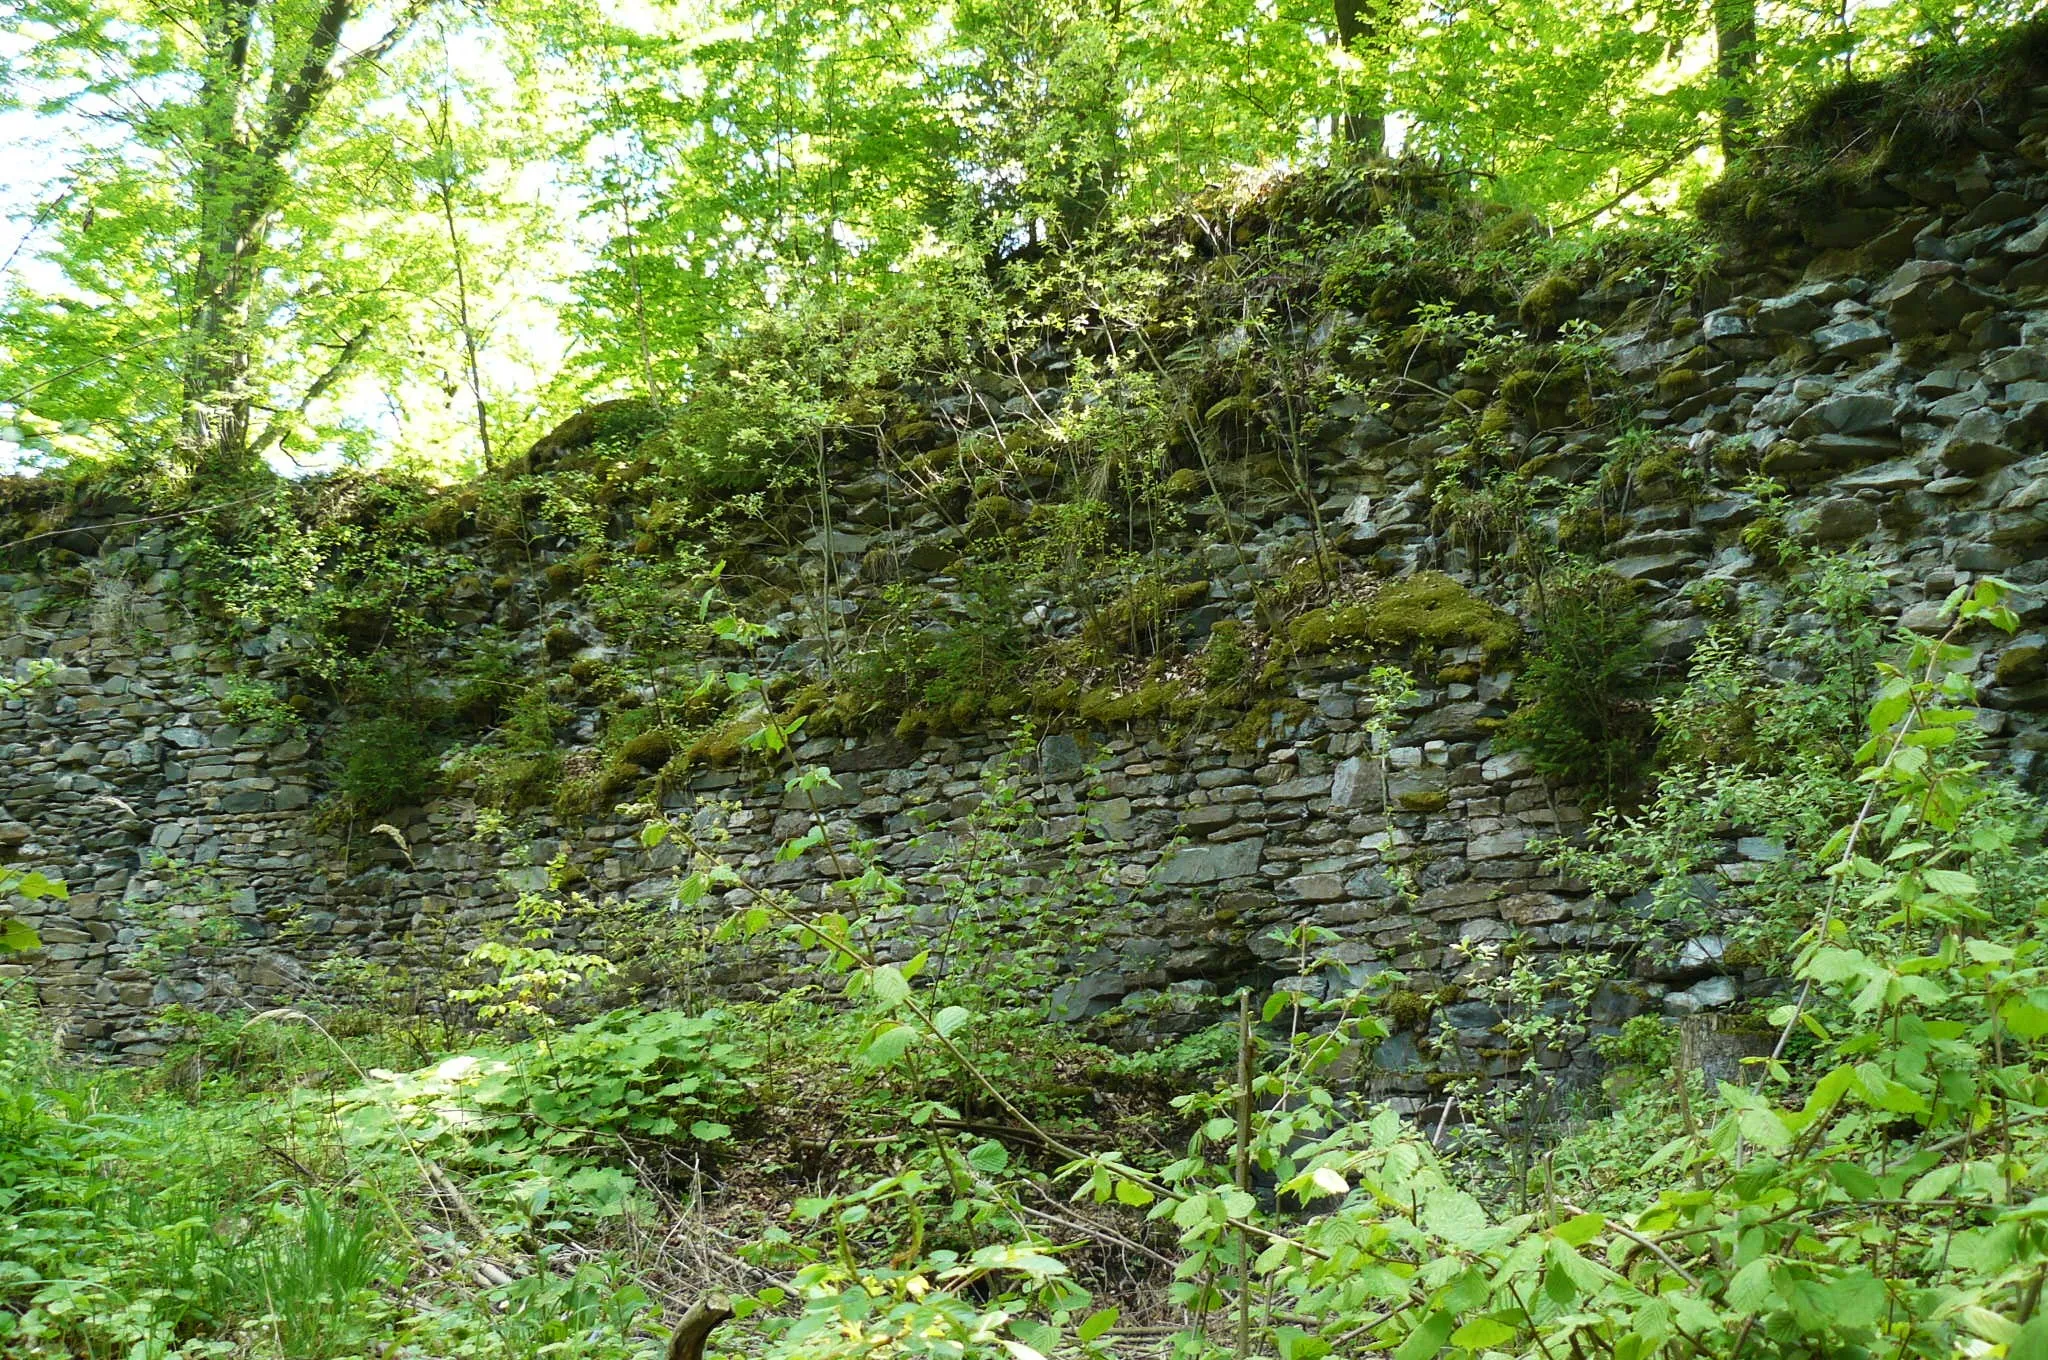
x: 1888, y: 365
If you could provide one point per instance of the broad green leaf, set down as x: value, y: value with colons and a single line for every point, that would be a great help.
x: 888, y: 985
x: 1750, y: 1292
x: 1426, y: 1340
x: 1582, y: 1229
x: 1294, y: 1344
x: 1482, y: 1333
x: 1095, y: 1324
x: 36, y: 884
x: 888, y: 1043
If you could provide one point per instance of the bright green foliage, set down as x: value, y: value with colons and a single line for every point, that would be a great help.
x: 127, y: 1229
x: 659, y: 1076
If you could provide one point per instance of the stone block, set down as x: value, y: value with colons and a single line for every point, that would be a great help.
x: 1211, y: 862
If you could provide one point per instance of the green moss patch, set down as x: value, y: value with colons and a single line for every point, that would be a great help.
x: 1428, y: 608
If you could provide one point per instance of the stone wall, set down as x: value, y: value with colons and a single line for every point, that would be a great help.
x: 1893, y: 372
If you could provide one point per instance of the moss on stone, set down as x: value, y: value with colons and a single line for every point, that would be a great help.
x: 1676, y: 384
x: 1153, y: 699
x: 725, y: 741
x: 649, y: 751
x: 1547, y: 301
x: 1259, y: 721
x: 1428, y: 608
x: 1185, y: 484
x: 991, y: 515
x: 2021, y: 664
x: 560, y: 644
x: 1423, y: 800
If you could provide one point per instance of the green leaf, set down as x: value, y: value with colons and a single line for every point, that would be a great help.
x: 1750, y: 1292
x: 36, y: 884
x: 989, y: 1157
x: 951, y: 1019
x: 2032, y: 1342
x: 1327, y: 1180
x: 1950, y: 882
x: 1040, y: 1337
x: 2026, y: 1016
x: 1454, y: 1216
x: 1095, y: 1324
x: 1854, y: 1299
x: 1011, y: 1256
x: 887, y: 1044
x: 1582, y: 1229
x: 1196, y: 1211
x: 653, y: 834
x: 888, y: 985
x: 1482, y: 1333
x: 1294, y: 1344
x: 16, y: 937
x: 1426, y: 1340
x: 709, y: 1130
x: 1131, y: 1193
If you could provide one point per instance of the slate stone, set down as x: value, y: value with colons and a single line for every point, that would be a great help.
x: 1654, y: 567
x: 1850, y: 413
x: 1191, y: 865
x: 1850, y: 339
x: 1794, y: 314
x: 1060, y: 756
x: 1976, y: 444
x: 1709, y: 994
x: 1356, y: 782
x: 1839, y: 519
x: 1925, y: 297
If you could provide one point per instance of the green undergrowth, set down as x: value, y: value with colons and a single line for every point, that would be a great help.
x: 1847, y: 142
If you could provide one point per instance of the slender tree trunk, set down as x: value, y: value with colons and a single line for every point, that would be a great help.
x: 219, y: 346
x: 215, y: 421
x: 444, y: 187
x: 246, y: 141
x: 1735, y: 64
x: 1364, y: 120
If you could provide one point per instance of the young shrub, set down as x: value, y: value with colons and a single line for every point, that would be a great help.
x: 382, y: 762
x: 1584, y: 718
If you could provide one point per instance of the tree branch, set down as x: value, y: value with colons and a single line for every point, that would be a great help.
x: 274, y: 430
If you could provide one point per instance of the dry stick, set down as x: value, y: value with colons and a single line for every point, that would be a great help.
x: 1632, y: 1235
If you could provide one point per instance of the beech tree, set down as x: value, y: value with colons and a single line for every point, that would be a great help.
x: 212, y: 106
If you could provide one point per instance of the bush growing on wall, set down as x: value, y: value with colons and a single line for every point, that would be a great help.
x: 382, y: 762
x: 1584, y: 717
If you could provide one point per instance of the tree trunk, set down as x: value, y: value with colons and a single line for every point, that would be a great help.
x: 239, y: 179
x: 1735, y: 65
x: 1364, y: 119
x: 219, y: 349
